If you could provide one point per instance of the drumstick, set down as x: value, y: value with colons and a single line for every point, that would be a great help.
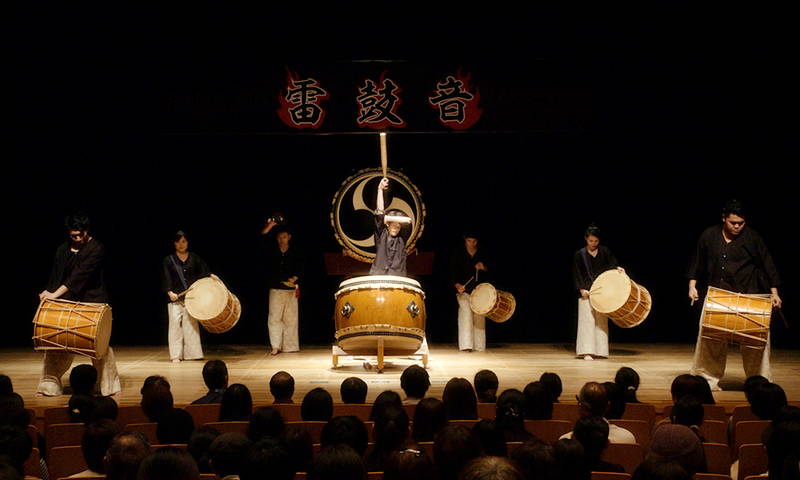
x: 384, y: 159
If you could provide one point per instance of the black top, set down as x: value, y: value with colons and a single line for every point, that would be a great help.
x: 462, y: 268
x: 81, y: 272
x: 744, y: 265
x: 194, y: 268
x: 282, y: 266
x: 390, y: 252
x: 213, y: 396
x: 605, y: 260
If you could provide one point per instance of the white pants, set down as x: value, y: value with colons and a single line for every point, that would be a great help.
x: 57, y: 362
x: 592, y: 336
x: 471, y: 326
x: 710, y: 357
x: 183, y: 334
x: 282, y: 320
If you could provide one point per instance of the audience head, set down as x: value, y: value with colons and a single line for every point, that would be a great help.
x: 486, y: 385
x: 353, y: 390
x: 492, y: 438
x: 593, y: 400
x: 538, y: 401
x: 680, y: 444
x: 491, y: 468
x: 215, y: 375
x: 628, y: 381
x: 592, y: 433
x: 687, y: 411
x: 337, y: 462
x: 384, y: 399
x: 95, y: 443
x: 15, y: 446
x: 616, y: 400
x: 227, y: 453
x: 83, y: 378
x: 317, y: 406
x: 751, y: 384
x: 409, y: 464
x: 175, y: 427
x: 157, y: 398
x: 299, y: 444
x: 127, y: 451
x: 553, y: 383
x: 536, y: 459
x: 459, y: 400
x: 415, y: 381
x: 267, y: 455
x: 766, y: 400
x: 430, y: 417
x: 348, y: 430
x: 281, y: 386
x: 236, y: 404
x: 453, y: 448
x: 265, y: 422
x: 169, y: 463
x: 571, y: 460
x: 199, y: 446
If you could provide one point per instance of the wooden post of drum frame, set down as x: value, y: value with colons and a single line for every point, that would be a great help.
x: 338, y: 352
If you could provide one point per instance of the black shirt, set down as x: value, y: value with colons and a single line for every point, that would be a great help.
x: 744, y: 265
x: 194, y: 268
x: 605, y: 260
x: 462, y: 268
x: 282, y: 266
x: 81, y: 272
x: 213, y: 396
x: 390, y: 252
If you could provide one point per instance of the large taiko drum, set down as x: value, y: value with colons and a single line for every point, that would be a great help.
x: 736, y: 317
x: 77, y: 327
x: 491, y: 302
x: 625, y: 302
x: 210, y: 303
x: 380, y: 307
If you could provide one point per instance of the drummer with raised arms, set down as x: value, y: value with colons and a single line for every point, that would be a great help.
x: 467, y: 270
x: 588, y: 263
x: 179, y: 271
x: 390, y: 237
x: 77, y: 276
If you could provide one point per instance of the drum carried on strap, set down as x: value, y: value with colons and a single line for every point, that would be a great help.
x: 77, y: 327
x: 380, y: 310
x: 495, y: 304
x: 625, y: 302
x: 736, y: 317
x: 210, y: 303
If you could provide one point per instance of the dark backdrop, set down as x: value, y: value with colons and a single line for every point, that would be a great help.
x: 675, y: 116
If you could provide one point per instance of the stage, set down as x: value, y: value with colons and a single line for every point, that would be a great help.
x: 515, y: 365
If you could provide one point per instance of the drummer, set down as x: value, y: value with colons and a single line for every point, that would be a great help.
x: 390, y: 237
x: 77, y: 275
x: 588, y: 263
x: 284, y: 271
x: 180, y: 270
x: 732, y: 257
x: 467, y: 270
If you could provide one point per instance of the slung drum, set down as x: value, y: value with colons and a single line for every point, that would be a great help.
x: 495, y: 304
x: 212, y: 305
x: 78, y: 327
x: 625, y: 302
x: 380, y: 307
x: 736, y: 317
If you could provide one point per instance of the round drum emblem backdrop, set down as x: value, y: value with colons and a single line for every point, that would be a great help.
x: 352, y: 215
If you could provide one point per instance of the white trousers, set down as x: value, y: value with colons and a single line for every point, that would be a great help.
x: 57, y: 362
x: 282, y: 320
x: 592, y: 338
x: 183, y: 334
x: 471, y: 326
x: 710, y: 357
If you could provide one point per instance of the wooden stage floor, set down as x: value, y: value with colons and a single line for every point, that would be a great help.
x: 515, y: 365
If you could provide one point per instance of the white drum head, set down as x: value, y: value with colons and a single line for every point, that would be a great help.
x: 206, y: 299
x: 610, y: 291
x: 379, y: 280
x: 483, y: 298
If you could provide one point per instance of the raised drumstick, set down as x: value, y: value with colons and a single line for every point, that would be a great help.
x: 384, y: 159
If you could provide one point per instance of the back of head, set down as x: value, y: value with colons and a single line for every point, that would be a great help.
x: 783, y: 440
x: 127, y: 451
x: 337, y: 462
x: 175, y: 427
x: 83, y: 378
x: 767, y: 400
x: 491, y: 468
x: 12, y: 411
x: 199, y: 447
x: 430, y: 417
x: 6, y: 387
x: 459, y: 399
x: 571, y: 460
x: 300, y: 446
x: 453, y: 448
x: 157, y: 398
x: 510, y: 413
x: 415, y: 381
x: 215, y: 374
x: 80, y: 408
x: 317, y: 406
x: 384, y: 399
x: 391, y: 428
x: 680, y: 444
x: 592, y: 433
x: 553, y: 383
x: 104, y: 408
x: 703, y: 390
x: 688, y: 411
x: 616, y: 400
x: 348, y: 430
x: 593, y: 399
x: 536, y: 459
x: 486, y: 385
x: 538, y: 401
x: 267, y: 455
x: 227, y: 453
x: 652, y: 469
x: 751, y: 384
x: 169, y: 463
x: 628, y: 381
x: 281, y: 386
x: 265, y: 422
x: 96, y: 441
x: 492, y: 438
x: 236, y: 404
x: 15, y: 445
x: 409, y: 464
x: 353, y: 390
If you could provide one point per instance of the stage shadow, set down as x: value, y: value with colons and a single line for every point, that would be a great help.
x: 226, y: 350
x: 732, y: 384
x: 623, y: 352
x: 357, y: 367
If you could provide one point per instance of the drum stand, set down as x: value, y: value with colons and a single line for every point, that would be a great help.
x: 338, y: 352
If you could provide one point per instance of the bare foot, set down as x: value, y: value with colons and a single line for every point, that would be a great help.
x: 176, y: 360
x: 588, y: 357
x: 275, y: 351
